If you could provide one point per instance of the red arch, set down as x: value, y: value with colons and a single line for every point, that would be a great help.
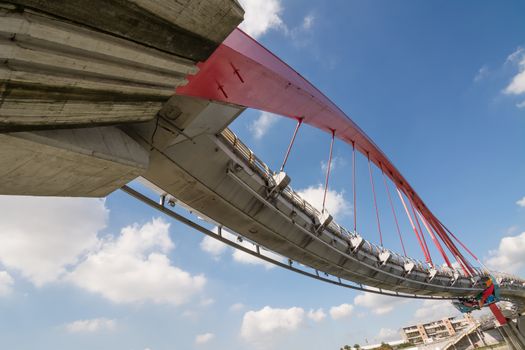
x: 243, y: 72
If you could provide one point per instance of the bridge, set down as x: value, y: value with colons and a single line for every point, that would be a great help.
x: 90, y: 104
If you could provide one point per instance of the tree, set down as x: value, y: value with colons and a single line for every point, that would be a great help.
x: 357, y: 346
x: 385, y: 346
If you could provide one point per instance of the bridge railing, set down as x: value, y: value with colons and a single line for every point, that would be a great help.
x: 256, y: 166
x: 298, y: 202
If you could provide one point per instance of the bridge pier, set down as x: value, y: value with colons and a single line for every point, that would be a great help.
x: 513, y: 337
x: 88, y: 68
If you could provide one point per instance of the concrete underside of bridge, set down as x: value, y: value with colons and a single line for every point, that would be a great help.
x: 85, y: 64
x: 87, y: 104
x: 200, y: 170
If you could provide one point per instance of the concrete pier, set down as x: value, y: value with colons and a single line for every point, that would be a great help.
x: 80, y: 65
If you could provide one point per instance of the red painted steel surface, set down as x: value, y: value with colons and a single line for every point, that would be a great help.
x: 242, y: 72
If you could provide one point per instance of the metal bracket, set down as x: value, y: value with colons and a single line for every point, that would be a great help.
x: 322, y: 220
x: 356, y: 242
x: 278, y: 183
x: 409, y: 267
x: 431, y: 274
x: 384, y: 256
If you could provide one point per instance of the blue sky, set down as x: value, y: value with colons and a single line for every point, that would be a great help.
x: 440, y: 87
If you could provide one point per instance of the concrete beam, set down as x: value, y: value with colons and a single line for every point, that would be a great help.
x: 60, y: 74
x: 190, y: 29
x: 89, y: 162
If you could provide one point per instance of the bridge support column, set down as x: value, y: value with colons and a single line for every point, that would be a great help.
x: 521, y: 325
x: 513, y: 338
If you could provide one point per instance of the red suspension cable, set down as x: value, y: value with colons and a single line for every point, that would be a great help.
x: 299, y: 122
x: 457, y: 240
x: 353, y: 186
x: 375, y: 202
x: 420, y: 231
x: 393, y: 211
x: 328, y: 168
x: 436, y: 242
x: 453, y: 249
x: 459, y: 256
x: 425, y: 253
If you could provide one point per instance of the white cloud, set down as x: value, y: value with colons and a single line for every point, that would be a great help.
x: 515, y: 56
x: 6, y: 283
x: 268, y: 323
x: 261, y: 16
x: 520, y: 104
x: 316, y: 315
x: 482, y: 73
x: 388, y: 334
x: 41, y: 236
x: 237, y: 307
x: 260, y: 126
x: 308, y: 22
x: 521, y: 202
x: 336, y: 163
x: 92, y: 325
x: 134, y: 267
x: 204, y: 338
x: 336, y: 204
x: 213, y: 246
x: 509, y: 255
x: 341, y: 311
x: 245, y: 258
x: 517, y: 85
x: 430, y: 310
x: 379, y: 304
x: 217, y: 248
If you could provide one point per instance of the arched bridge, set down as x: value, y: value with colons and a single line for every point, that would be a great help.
x: 88, y: 105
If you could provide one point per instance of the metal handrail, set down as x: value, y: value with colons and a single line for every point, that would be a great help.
x: 258, y: 166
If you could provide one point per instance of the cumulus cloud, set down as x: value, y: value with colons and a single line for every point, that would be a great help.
x: 434, y: 310
x: 91, y: 326
x: 379, y: 304
x: 341, y: 311
x: 134, y: 267
x: 509, y: 255
x: 517, y: 84
x: 217, y: 248
x: 521, y: 202
x: 245, y: 258
x: 336, y: 204
x: 6, y: 283
x: 261, y: 16
x: 213, y: 246
x: 41, y: 236
x: 316, y: 315
x: 202, y: 339
x: 259, y: 326
x: 260, y: 126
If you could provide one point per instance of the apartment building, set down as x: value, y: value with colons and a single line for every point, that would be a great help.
x: 430, y: 332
